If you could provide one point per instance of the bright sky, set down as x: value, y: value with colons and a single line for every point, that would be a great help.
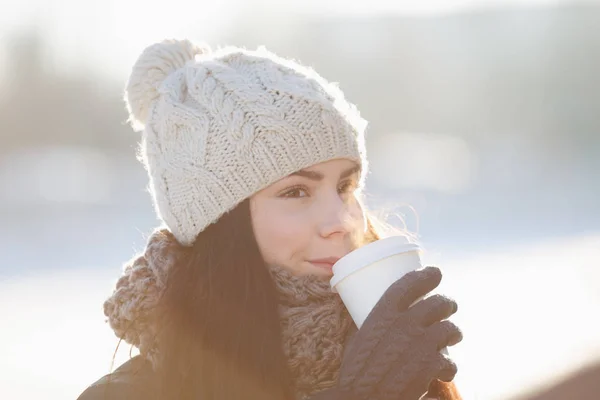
x: 108, y: 35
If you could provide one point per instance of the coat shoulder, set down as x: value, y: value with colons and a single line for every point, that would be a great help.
x: 132, y: 381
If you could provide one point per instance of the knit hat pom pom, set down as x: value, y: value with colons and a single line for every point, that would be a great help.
x: 156, y: 63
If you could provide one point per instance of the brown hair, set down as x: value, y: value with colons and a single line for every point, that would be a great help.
x: 221, y: 335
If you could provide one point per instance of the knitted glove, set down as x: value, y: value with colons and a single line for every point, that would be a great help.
x: 396, y: 353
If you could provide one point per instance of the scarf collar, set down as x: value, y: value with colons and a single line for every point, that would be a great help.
x: 315, y: 324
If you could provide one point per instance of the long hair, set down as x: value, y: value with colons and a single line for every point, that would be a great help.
x: 220, y: 335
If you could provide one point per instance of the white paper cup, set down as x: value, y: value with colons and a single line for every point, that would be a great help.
x: 363, y: 275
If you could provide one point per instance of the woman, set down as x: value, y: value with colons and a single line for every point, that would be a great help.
x: 255, y: 166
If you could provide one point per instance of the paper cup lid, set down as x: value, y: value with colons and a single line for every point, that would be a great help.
x: 368, y: 254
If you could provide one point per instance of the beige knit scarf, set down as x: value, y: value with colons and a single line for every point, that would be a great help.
x: 315, y: 323
x: 315, y: 327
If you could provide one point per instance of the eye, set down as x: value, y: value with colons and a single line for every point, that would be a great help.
x: 348, y: 186
x: 294, y: 193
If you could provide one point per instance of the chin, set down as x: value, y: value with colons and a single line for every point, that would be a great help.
x: 311, y: 270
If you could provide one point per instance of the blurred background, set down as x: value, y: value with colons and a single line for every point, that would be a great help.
x: 484, y: 139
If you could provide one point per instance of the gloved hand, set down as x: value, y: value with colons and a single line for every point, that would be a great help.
x: 396, y: 353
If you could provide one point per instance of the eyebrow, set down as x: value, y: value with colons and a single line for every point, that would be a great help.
x: 317, y: 176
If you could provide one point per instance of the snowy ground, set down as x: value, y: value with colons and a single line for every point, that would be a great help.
x: 527, y: 313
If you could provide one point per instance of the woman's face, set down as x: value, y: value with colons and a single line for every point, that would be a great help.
x: 309, y: 219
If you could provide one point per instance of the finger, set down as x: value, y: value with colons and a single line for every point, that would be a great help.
x: 447, y: 368
x: 445, y: 334
x: 433, y: 309
x: 412, y: 287
x: 399, y: 296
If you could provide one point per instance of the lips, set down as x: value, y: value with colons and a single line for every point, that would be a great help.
x: 326, y: 263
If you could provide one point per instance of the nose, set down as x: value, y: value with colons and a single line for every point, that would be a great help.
x: 336, y: 218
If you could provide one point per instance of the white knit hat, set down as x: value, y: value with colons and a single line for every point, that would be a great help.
x: 220, y: 126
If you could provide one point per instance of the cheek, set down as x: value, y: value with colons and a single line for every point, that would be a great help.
x: 280, y: 234
x: 358, y: 220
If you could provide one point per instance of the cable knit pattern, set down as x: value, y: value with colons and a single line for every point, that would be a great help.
x: 315, y: 323
x: 220, y: 126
